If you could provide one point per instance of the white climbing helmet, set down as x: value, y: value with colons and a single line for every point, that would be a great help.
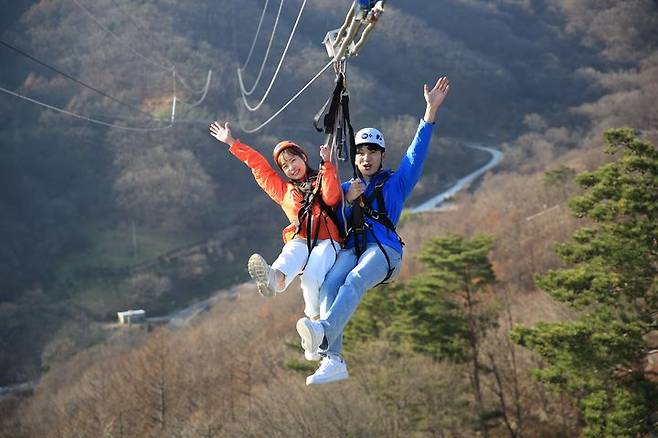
x: 370, y: 136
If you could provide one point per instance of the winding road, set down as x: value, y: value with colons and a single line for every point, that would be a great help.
x: 436, y: 201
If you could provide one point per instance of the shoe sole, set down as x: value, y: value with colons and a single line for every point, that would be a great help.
x: 332, y: 379
x: 257, y: 267
x: 306, y: 334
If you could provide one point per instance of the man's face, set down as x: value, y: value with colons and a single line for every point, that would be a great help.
x: 368, y: 159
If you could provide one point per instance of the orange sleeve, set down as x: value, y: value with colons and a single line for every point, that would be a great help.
x: 266, y: 177
x: 331, y: 191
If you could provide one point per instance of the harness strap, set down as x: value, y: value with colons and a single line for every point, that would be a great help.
x: 318, y: 115
x: 388, y: 260
x: 345, y: 109
x: 380, y: 215
x: 329, y: 120
x: 306, y: 213
x: 359, y: 226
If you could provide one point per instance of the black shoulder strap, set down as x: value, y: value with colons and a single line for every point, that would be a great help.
x: 381, y: 214
x: 329, y: 120
x: 345, y: 106
x: 377, y: 191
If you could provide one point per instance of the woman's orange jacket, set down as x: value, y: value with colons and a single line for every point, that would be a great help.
x: 289, y: 197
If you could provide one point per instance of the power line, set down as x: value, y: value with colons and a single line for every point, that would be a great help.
x: 99, y: 24
x: 74, y: 79
x: 140, y: 28
x: 267, y: 54
x: 276, y: 72
x: 186, y: 85
x: 85, y: 118
x: 146, y: 33
x: 101, y: 122
x: 205, y: 91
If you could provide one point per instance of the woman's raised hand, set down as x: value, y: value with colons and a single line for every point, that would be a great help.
x: 222, y: 133
x: 325, y: 153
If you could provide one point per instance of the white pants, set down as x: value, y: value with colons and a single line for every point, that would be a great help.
x: 291, y: 261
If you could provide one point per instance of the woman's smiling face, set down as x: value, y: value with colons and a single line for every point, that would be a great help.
x: 293, y: 166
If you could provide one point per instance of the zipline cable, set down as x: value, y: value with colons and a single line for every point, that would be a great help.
x: 308, y: 84
x: 276, y: 72
x: 243, y: 90
x: 253, y: 43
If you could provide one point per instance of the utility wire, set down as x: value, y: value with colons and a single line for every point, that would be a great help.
x: 203, y: 96
x: 186, y: 85
x: 74, y: 79
x: 146, y: 34
x: 276, y: 72
x: 81, y: 117
x: 262, y: 65
x: 140, y: 28
x: 99, y: 24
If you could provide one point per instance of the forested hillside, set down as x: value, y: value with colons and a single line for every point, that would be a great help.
x: 96, y: 219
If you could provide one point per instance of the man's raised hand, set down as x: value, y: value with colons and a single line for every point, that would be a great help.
x: 434, y: 98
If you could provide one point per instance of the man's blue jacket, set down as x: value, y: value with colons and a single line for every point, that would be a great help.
x: 396, y: 190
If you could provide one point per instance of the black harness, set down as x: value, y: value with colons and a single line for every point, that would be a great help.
x: 310, y: 195
x: 337, y: 126
x: 336, y: 121
x: 360, y: 227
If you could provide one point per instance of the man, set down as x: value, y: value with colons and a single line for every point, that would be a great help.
x: 361, y: 12
x: 373, y: 250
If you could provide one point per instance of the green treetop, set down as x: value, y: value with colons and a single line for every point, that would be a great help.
x: 611, y: 284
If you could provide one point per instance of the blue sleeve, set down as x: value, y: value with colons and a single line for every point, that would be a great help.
x: 346, y: 186
x: 411, y: 167
x: 348, y: 209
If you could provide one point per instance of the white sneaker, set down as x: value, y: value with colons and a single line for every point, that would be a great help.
x: 332, y: 369
x: 311, y: 332
x: 312, y: 356
x: 263, y: 274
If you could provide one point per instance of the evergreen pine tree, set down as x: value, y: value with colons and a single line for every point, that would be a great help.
x: 611, y: 284
x: 439, y: 313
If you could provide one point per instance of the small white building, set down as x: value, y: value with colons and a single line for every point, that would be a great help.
x: 132, y: 317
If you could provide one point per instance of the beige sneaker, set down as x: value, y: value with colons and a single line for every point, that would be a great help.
x: 312, y: 356
x: 263, y: 274
x: 311, y: 334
